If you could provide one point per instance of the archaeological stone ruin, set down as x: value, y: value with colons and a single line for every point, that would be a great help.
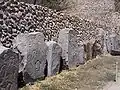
x: 36, y: 42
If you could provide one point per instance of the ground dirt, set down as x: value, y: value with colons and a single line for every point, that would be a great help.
x: 96, y: 74
x: 113, y: 85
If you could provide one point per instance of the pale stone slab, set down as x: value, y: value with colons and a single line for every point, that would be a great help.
x: 53, y: 58
x: 71, y: 51
x: 112, y: 43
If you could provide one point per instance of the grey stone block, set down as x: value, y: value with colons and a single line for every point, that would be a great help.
x: 115, y: 44
x: 88, y: 50
x: 9, y: 66
x: 112, y: 42
x: 71, y: 51
x: 53, y: 58
x: 34, y: 52
x: 107, y: 43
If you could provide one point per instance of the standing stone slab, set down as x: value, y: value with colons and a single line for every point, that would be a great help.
x: 115, y: 44
x: 53, y: 58
x: 34, y: 52
x: 88, y: 50
x: 112, y: 42
x: 97, y: 48
x: 99, y: 42
x: 107, y: 43
x: 71, y: 51
x: 9, y: 66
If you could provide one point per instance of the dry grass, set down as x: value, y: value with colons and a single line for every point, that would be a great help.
x: 91, y: 76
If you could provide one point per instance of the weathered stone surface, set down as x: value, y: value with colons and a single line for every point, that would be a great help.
x: 116, y: 42
x: 97, y: 48
x: 53, y: 58
x: 19, y: 17
x: 98, y: 44
x: 34, y: 52
x: 114, y: 47
x: 71, y: 51
x: 112, y: 42
x: 28, y: 1
x: 38, y: 2
x: 9, y: 66
x: 115, y: 52
x: 107, y: 43
x: 88, y: 50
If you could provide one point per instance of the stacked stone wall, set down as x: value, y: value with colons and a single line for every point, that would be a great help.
x: 19, y: 17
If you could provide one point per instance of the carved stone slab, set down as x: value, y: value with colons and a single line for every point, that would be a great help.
x: 71, y: 50
x: 34, y: 52
x: 9, y: 66
x: 53, y: 58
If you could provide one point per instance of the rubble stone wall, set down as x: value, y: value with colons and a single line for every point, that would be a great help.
x: 19, y: 17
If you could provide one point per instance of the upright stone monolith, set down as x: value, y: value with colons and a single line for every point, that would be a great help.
x: 115, y: 44
x: 89, y: 50
x: 53, y: 58
x: 34, y: 52
x: 111, y: 43
x: 71, y: 51
x: 9, y: 67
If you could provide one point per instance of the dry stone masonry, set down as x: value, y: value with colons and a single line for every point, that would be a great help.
x: 19, y: 17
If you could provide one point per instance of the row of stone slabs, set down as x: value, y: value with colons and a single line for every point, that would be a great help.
x: 31, y: 56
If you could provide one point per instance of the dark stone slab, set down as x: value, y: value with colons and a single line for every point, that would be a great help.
x: 9, y: 66
x: 115, y: 52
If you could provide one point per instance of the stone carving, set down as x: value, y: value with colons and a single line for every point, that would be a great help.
x: 71, y: 51
x: 53, y: 58
x: 34, y: 52
x: 9, y: 66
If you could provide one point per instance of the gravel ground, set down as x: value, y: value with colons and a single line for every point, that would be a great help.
x: 97, y: 74
x: 113, y: 85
